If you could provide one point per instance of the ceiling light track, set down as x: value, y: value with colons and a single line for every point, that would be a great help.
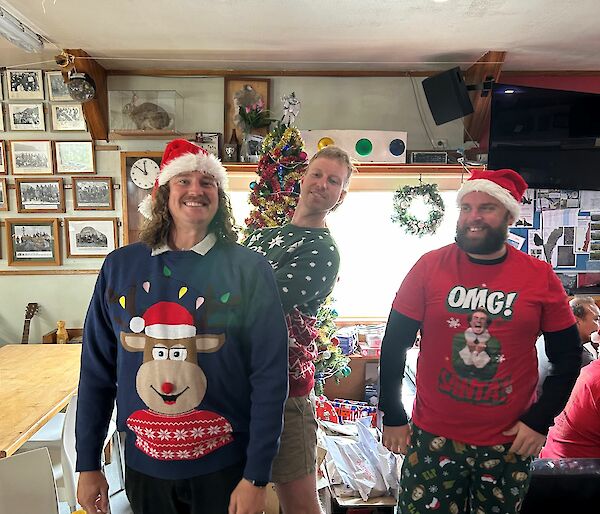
x: 19, y: 34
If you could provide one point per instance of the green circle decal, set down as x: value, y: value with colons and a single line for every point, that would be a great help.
x: 363, y: 147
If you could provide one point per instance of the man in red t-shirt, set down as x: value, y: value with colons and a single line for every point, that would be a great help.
x: 475, y: 428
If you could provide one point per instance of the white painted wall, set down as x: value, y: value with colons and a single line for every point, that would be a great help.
x: 343, y: 103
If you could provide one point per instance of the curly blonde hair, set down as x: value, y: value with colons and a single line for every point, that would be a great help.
x: 155, y: 232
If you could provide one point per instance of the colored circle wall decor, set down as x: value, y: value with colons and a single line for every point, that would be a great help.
x: 363, y: 147
x: 397, y: 147
x: 325, y: 141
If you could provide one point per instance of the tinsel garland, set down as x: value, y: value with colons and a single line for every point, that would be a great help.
x: 280, y: 169
x: 413, y: 225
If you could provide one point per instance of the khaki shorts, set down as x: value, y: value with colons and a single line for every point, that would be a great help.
x: 297, y: 455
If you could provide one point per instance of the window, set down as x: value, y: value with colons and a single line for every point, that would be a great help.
x: 376, y: 254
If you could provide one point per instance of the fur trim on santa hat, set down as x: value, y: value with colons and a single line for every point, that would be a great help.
x: 145, y: 207
x: 206, y: 163
x: 491, y: 188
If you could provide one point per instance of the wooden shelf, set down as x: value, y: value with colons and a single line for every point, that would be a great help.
x: 148, y: 134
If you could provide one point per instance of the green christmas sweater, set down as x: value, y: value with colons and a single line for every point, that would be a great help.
x: 306, y: 263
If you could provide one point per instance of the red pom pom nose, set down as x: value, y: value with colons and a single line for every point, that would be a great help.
x: 167, y: 387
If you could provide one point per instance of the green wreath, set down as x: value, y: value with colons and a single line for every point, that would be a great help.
x: 413, y: 225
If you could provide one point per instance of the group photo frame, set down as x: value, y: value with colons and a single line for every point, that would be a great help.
x: 67, y: 117
x: 40, y: 195
x: 3, y: 166
x: 91, y: 237
x: 32, y: 242
x: 57, y: 89
x: 93, y: 194
x: 3, y: 195
x: 26, y: 117
x: 24, y: 84
x: 75, y: 157
x: 31, y: 158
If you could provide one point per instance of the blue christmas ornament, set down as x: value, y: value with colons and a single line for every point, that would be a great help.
x: 252, y: 185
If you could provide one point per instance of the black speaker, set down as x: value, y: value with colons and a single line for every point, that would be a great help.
x: 447, y: 96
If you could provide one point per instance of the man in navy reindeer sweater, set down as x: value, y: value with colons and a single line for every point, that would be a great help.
x: 185, y: 329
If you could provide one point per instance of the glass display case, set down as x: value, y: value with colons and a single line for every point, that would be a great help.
x: 142, y: 113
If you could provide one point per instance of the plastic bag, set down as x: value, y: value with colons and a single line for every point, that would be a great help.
x: 354, y: 467
x: 387, y: 464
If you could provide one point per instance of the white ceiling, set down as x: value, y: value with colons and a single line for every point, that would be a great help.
x: 390, y: 35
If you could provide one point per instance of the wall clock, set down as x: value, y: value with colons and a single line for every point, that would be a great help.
x: 138, y: 173
x: 144, y: 172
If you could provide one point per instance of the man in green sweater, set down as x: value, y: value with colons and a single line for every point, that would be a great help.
x: 305, y: 261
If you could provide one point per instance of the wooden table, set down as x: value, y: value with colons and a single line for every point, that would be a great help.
x: 36, y: 382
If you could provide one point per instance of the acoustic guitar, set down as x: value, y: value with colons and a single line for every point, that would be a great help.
x: 30, y: 311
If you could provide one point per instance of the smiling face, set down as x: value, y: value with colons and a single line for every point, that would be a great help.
x: 482, y: 225
x: 322, y: 186
x: 589, y: 323
x: 193, y: 200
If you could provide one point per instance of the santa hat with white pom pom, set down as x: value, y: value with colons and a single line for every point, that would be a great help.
x: 183, y: 156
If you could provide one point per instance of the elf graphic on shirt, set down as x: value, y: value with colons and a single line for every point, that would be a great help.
x: 475, y: 351
x: 172, y: 385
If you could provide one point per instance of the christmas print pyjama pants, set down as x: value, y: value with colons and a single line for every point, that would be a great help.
x: 453, y: 477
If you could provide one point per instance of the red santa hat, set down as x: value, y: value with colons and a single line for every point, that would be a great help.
x: 165, y: 320
x: 434, y: 505
x: 506, y: 186
x: 183, y: 156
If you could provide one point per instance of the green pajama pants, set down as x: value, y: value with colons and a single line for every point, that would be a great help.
x: 448, y: 476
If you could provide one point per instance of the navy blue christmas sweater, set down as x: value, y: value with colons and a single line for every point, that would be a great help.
x: 194, y: 348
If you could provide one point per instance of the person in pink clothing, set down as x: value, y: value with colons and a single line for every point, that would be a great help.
x: 576, y: 430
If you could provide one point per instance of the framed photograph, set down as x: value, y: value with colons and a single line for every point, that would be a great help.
x: 75, y: 157
x: 3, y: 195
x: 32, y: 242
x: 31, y: 158
x: 3, y: 168
x: 1, y: 117
x: 90, y: 237
x: 26, y: 117
x: 93, y: 193
x: 67, y: 117
x: 40, y: 195
x: 57, y: 89
x: 24, y: 84
x: 243, y: 92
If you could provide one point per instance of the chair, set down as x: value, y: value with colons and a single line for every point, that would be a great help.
x: 27, y: 483
x: 63, y: 453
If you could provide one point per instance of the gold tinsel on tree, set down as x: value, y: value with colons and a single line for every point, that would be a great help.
x: 274, y: 195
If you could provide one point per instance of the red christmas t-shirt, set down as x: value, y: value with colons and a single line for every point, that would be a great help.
x: 576, y: 430
x: 477, y: 370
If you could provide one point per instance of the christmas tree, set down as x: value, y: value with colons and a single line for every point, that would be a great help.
x: 283, y: 161
x: 330, y: 361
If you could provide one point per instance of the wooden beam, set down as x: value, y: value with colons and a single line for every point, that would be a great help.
x: 267, y: 73
x: 96, y: 110
x: 487, y: 66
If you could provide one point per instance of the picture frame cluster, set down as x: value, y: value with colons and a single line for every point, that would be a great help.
x: 40, y: 172
x: 36, y: 241
x: 26, y: 110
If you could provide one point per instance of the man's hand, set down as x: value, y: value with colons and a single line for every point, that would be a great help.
x: 527, y: 441
x: 396, y: 439
x: 92, y: 492
x: 247, y: 499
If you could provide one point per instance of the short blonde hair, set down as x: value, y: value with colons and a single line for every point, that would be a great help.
x: 337, y: 154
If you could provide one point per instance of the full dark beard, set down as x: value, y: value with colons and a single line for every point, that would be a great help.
x: 492, y: 242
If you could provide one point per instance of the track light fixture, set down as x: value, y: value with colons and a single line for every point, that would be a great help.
x: 19, y: 34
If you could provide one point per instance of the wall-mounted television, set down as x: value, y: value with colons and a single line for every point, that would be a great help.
x: 551, y: 137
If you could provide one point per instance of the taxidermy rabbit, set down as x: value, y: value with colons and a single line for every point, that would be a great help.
x: 147, y: 116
